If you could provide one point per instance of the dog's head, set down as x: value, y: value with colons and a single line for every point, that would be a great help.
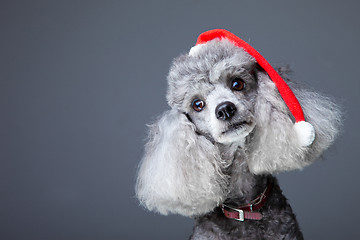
x: 223, y: 101
x: 216, y: 90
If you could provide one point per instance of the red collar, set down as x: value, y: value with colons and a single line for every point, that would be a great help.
x: 249, y: 211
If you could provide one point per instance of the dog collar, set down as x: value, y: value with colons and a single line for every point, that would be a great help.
x: 249, y: 211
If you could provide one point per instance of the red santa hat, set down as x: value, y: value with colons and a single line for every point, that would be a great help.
x: 304, y: 130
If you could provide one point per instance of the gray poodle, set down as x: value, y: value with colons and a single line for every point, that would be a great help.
x: 230, y: 127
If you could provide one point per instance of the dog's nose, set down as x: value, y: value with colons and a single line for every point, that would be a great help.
x: 225, y: 111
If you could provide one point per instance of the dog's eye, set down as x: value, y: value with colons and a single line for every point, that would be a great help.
x: 237, y: 84
x: 198, y: 105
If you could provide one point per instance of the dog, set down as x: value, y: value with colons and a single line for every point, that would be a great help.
x: 233, y: 123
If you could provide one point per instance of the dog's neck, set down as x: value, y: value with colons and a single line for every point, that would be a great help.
x: 244, y: 186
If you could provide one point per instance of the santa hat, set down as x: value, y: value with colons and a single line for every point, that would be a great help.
x: 304, y: 130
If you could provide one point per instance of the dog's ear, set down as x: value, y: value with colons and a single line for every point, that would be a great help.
x: 181, y: 171
x: 275, y: 146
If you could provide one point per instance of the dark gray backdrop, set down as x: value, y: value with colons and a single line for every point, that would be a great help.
x: 79, y: 80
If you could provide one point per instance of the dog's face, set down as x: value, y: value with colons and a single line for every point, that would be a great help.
x: 217, y: 92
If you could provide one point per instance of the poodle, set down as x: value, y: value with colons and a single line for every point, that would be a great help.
x: 231, y: 126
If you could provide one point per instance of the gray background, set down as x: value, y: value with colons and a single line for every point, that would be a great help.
x: 79, y: 80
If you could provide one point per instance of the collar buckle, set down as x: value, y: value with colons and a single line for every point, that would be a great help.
x: 240, y: 217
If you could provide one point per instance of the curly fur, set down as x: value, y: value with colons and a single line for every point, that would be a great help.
x: 193, y: 162
x: 181, y: 171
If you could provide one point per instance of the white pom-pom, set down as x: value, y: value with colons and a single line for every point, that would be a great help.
x: 305, y: 132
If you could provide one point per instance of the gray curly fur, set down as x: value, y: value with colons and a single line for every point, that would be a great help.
x: 191, y: 166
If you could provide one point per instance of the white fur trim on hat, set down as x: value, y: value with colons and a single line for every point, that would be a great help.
x: 194, y: 50
x: 305, y: 133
